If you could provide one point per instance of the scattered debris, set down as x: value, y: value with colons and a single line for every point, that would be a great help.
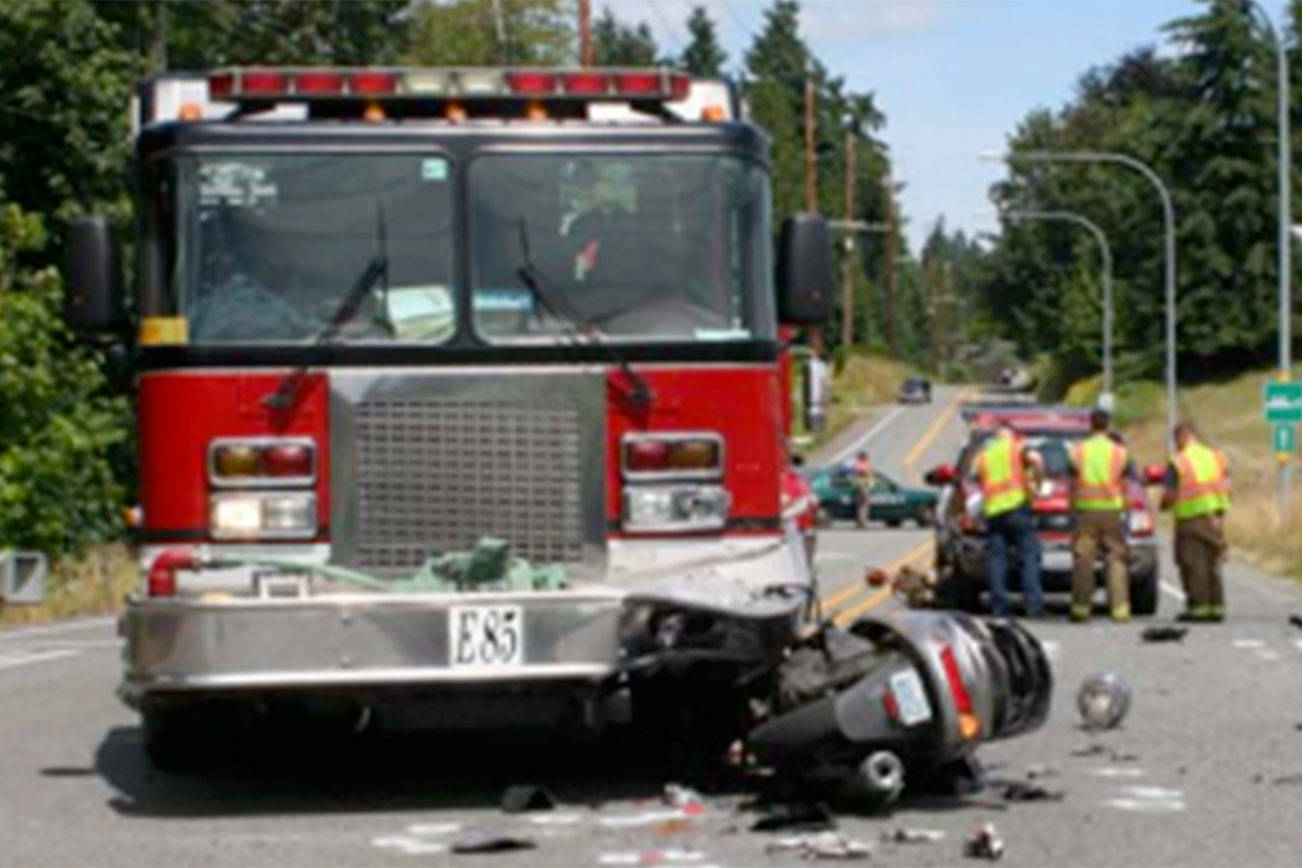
x: 410, y: 845
x: 526, y: 797
x: 1149, y: 800
x: 670, y: 828
x: 1164, y: 634
x: 1094, y: 749
x: 433, y: 829
x: 824, y: 845
x: 491, y: 842
x: 1040, y: 770
x: 1103, y: 700
x: 1295, y: 620
x: 984, y: 843
x: 1248, y: 643
x: 798, y: 815
x: 684, y: 798
x: 1114, y: 772
x: 553, y: 819
x: 1021, y: 791
x: 916, y: 587
x: 902, y: 835
x: 1286, y: 780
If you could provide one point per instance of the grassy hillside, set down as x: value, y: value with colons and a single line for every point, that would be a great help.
x: 1228, y: 414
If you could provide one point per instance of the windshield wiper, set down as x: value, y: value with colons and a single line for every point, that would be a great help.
x: 377, y: 269
x: 580, y: 326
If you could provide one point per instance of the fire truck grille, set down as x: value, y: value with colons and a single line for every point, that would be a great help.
x: 435, y: 475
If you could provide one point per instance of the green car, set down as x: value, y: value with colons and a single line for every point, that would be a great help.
x: 837, y: 491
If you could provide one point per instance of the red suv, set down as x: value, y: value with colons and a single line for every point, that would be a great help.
x: 960, y: 535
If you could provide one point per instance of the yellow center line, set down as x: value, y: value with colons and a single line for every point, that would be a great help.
x: 857, y: 585
x: 933, y: 430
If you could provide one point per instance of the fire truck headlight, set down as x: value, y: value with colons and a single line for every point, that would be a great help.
x: 263, y: 515
x: 670, y: 508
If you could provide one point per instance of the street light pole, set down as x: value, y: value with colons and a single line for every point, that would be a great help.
x: 1285, y: 228
x: 1105, y: 255
x: 1168, y: 220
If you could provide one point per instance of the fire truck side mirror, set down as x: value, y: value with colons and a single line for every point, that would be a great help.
x: 93, y: 295
x: 805, y: 284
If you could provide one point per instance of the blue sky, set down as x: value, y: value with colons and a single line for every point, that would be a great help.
x: 953, y: 76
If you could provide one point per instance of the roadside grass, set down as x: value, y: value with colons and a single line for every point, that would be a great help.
x: 1228, y: 415
x: 91, y: 583
x: 864, y: 380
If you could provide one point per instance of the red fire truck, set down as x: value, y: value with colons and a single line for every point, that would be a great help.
x: 383, y: 313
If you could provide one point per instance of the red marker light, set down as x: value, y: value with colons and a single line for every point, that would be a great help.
x: 642, y: 455
x: 220, y: 85
x: 680, y: 86
x: 531, y: 83
x: 374, y: 82
x: 262, y: 82
x: 638, y: 83
x: 289, y: 459
x: 957, y: 689
x: 318, y: 82
x: 586, y: 83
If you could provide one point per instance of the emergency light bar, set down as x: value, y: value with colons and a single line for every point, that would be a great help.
x: 262, y: 84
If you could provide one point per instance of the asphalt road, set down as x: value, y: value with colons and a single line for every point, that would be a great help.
x: 1206, y: 769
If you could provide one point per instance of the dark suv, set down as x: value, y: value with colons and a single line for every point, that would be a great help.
x: 915, y: 390
x: 960, y: 535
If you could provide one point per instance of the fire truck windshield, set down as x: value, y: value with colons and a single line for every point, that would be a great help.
x: 269, y: 245
x: 666, y: 247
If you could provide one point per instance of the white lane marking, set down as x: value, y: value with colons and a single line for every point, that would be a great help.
x: 1249, y: 643
x: 433, y: 828
x: 868, y: 435
x: 13, y: 661
x: 81, y: 624
x: 1154, y: 793
x: 1148, y: 806
x: 1114, y: 772
x: 1263, y: 654
x: 1173, y: 591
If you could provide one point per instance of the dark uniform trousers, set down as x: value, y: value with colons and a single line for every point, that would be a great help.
x: 1099, y: 528
x: 1199, y: 551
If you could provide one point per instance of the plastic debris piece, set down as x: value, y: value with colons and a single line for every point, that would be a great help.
x: 824, y: 845
x: 1040, y: 770
x: 984, y: 843
x: 1103, y: 700
x: 651, y: 857
x: 809, y: 816
x: 491, y: 842
x: 1163, y: 634
x: 555, y: 819
x: 526, y: 797
x: 685, y: 798
x: 1095, y: 749
x: 1295, y: 620
x: 433, y: 829
x: 1021, y: 791
x: 903, y: 835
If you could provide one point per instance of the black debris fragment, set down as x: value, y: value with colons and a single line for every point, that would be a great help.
x: 809, y: 816
x: 1021, y: 791
x: 1287, y: 780
x: 1164, y: 634
x: 526, y: 797
x: 1295, y: 620
x: 491, y: 842
x: 1094, y: 749
x: 984, y: 843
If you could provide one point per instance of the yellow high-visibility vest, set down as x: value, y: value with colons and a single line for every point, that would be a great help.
x: 1002, y: 473
x: 1100, y: 465
x: 1203, y: 481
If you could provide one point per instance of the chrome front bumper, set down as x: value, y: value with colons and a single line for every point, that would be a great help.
x: 355, y: 640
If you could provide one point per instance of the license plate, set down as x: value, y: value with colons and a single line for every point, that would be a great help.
x: 485, y: 636
x: 910, y: 697
x: 1055, y: 560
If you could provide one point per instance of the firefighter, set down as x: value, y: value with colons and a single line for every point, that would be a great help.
x: 1099, y: 468
x: 1006, y: 472
x: 1198, y: 492
x: 862, y: 468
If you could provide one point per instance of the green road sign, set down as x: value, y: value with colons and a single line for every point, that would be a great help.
x: 1282, y: 401
x: 1284, y: 437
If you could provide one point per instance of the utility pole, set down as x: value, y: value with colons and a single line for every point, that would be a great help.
x: 585, y: 32
x: 847, y: 264
x: 888, y: 285
x: 811, y: 159
x: 811, y: 187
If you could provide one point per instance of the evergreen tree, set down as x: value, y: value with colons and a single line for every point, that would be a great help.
x: 703, y: 55
x: 618, y: 44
